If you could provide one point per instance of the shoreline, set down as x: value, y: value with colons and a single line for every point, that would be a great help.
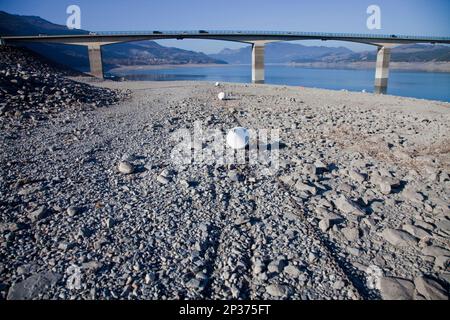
x: 432, y: 67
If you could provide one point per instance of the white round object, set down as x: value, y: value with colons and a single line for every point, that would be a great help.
x: 222, y: 96
x: 217, y: 84
x: 238, y: 138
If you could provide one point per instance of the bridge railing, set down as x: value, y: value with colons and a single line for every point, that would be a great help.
x: 270, y: 33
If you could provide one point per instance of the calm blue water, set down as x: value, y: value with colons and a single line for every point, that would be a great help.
x: 426, y: 85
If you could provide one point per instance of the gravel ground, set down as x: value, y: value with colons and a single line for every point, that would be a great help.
x: 94, y: 207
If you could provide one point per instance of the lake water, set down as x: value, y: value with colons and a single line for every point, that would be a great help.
x: 425, y: 85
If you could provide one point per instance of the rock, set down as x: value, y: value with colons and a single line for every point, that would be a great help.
x: 320, y: 165
x: 11, y: 227
x: 444, y: 225
x: 424, y: 225
x: 258, y: 267
x: 435, y: 251
x: 235, y: 176
x: 347, y: 206
x: 442, y: 262
x: 276, y: 266
x: 65, y: 245
x: 398, y: 238
x: 166, y: 174
x: 292, y: 270
x: 351, y: 234
x: 312, y: 257
x: 309, y: 169
x: 110, y: 222
x: 33, y: 286
x: 413, y: 196
x: 430, y: 289
x: 38, y: 214
x: 386, y: 184
x: 396, y: 288
x: 92, y: 266
x: 235, y: 292
x: 162, y: 179
x: 353, y: 251
x: 356, y: 176
x: 338, y: 285
x: 85, y: 232
x: 288, y: 180
x: 125, y: 167
x: 324, y: 225
x: 72, y: 211
x: 194, y: 283
x: 277, y: 290
x: 385, y: 188
x: 303, y: 187
x: 416, y: 231
x: 150, y: 278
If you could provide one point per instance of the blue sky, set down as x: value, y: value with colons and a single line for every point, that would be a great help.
x: 411, y: 17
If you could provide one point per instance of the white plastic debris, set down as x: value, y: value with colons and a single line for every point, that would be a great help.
x: 222, y: 96
x: 238, y: 138
x: 217, y: 84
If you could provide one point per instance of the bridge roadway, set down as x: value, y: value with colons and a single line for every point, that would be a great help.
x: 258, y: 39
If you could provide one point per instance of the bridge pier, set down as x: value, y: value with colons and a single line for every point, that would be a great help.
x: 382, y: 69
x: 258, y: 62
x: 95, y: 60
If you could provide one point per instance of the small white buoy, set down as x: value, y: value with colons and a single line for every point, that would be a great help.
x: 363, y: 91
x: 222, y: 96
x: 238, y: 138
x: 217, y: 84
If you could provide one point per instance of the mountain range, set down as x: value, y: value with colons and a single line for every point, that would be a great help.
x: 282, y: 52
x: 151, y: 53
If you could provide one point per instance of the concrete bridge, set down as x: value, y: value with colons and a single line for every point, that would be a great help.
x: 258, y: 39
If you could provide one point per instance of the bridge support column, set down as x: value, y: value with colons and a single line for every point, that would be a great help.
x: 95, y: 60
x: 382, y: 69
x: 258, y: 63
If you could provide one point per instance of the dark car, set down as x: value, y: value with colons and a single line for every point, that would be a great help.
x: 203, y: 31
x: 393, y: 36
x: 157, y: 32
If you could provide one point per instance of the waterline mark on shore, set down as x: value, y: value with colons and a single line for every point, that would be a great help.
x: 209, y: 146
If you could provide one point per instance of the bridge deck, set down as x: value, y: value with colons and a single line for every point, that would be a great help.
x: 291, y: 35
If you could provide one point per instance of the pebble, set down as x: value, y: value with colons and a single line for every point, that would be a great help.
x: 398, y: 238
x: 125, y: 167
x: 430, y: 288
x: 277, y: 290
x: 392, y: 288
x: 72, y: 211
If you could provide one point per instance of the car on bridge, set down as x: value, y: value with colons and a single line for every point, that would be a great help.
x: 157, y: 32
x: 393, y: 36
x: 202, y: 31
